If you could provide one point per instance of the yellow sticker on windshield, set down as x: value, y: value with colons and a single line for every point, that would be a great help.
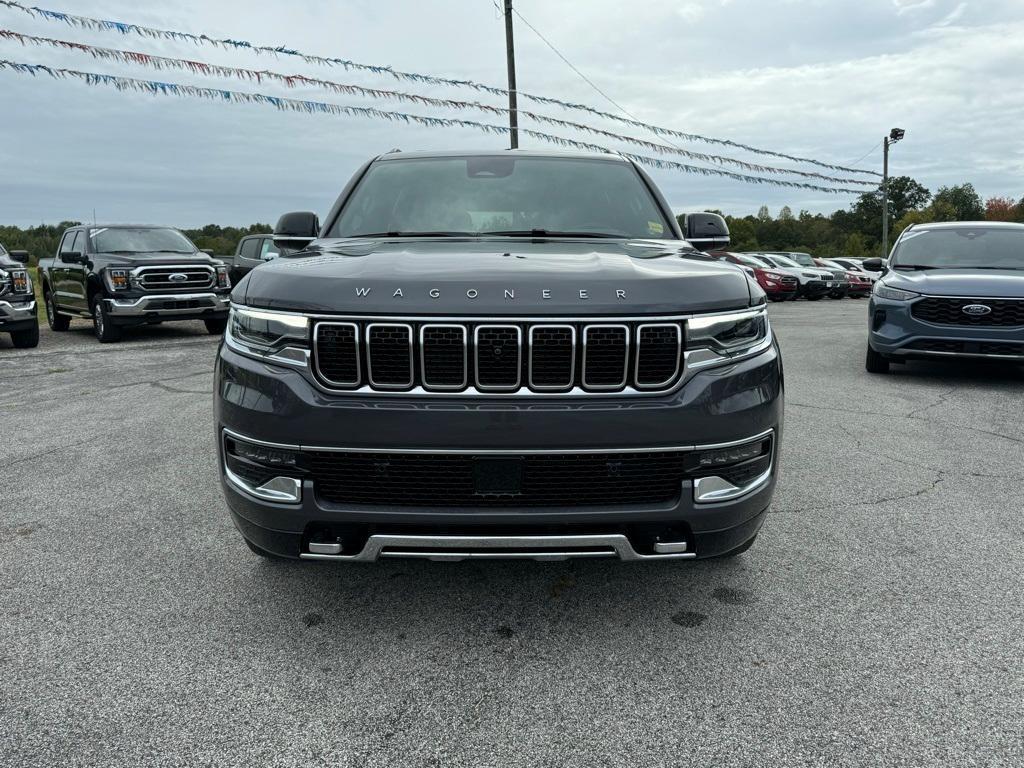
x: 655, y: 228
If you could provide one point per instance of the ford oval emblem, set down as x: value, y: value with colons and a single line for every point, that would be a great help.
x: 180, y: 277
x: 976, y: 310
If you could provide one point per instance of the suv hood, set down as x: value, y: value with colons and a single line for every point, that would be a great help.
x: 965, y: 283
x: 508, y: 276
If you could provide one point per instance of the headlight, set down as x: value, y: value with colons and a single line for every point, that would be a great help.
x: 883, y: 291
x: 20, y: 281
x: 223, y: 280
x: 118, y: 279
x: 729, y: 334
x: 773, y: 275
x: 270, y: 335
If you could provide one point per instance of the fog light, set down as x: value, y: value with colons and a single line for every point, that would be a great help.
x: 262, y: 454
x: 723, y: 457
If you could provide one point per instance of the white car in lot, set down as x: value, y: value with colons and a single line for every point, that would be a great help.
x: 856, y: 266
x: 815, y: 282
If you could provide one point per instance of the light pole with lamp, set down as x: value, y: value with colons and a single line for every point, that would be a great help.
x: 894, y: 135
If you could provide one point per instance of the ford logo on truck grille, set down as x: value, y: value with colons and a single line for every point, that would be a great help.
x: 181, y: 277
x: 976, y: 310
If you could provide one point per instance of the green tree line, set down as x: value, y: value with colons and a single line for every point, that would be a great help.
x: 857, y: 230
x: 853, y: 231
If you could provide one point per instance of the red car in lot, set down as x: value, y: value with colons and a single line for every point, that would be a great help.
x: 778, y: 286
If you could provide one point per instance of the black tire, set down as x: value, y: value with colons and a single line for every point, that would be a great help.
x: 738, y: 551
x: 54, y: 319
x: 819, y: 297
x: 216, y: 327
x: 876, y: 362
x: 106, y: 332
x: 26, y: 339
x: 262, y: 552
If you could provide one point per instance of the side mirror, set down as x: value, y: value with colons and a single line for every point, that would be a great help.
x: 706, y: 231
x: 20, y: 256
x: 874, y: 265
x: 72, y: 257
x: 270, y: 255
x: 297, y: 229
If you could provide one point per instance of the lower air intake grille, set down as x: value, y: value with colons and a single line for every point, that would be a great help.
x: 457, y: 480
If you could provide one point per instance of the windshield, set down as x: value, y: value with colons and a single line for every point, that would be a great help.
x: 752, y: 261
x: 960, y: 247
x: 782, y: 261
x: 800, y: 259
x: 139, y: 240
x: 502, y: 195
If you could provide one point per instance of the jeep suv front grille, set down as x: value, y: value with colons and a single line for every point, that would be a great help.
x: 949, y: 311
x: 174, y: 278
x: 493, y: 357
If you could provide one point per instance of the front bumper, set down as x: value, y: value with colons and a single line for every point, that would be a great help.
x: 894, y: 332
x: 17, y: 316
x: 170, y: 306
x: 277, y: 405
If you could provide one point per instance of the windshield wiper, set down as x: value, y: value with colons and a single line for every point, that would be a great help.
x: 915, y: 266
x: 414, y: 234
x: 551, y: 233
x: 973, y: 266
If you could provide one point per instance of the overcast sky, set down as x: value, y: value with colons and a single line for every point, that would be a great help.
x: 819, y: 78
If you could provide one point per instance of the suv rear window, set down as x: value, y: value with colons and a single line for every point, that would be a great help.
x: 502, y: 195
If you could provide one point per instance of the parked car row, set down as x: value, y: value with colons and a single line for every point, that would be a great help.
x: 785, y: 275
x: 17, y: 300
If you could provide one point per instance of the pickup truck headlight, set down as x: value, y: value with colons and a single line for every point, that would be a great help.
x: 223, y: 279
x: 729, y: 334
x: 20, y: 281
x: 118, y: 279
x: 883, y: 291
x: 270, y: 335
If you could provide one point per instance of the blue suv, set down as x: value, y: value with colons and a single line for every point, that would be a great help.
x: 951, y: 290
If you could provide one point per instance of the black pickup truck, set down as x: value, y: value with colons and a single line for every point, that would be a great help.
x: 509, y: 354
x: 252, y: 251
x: 121, y: 276
x: 17, y: 301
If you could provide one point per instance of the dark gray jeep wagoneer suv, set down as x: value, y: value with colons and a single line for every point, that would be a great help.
x: 505, y: 354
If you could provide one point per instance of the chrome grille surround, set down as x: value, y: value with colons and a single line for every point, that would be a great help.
x: 157, y: 277
x: 690, y: 361
x: 572, y: 360
x: 402, y: 329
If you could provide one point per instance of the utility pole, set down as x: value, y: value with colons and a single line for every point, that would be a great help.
x: 885, y: 197
x: 510, y: 50
x: 894, y: 135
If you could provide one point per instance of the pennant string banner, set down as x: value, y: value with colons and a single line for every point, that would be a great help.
x: 320, y: 107
x: 87, y: 22
x: 292, y: 81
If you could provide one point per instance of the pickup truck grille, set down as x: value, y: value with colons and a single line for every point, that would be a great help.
x: 489, y: 357
x: 458, y: 480
x: 174, y: 278
x: 947, y: 311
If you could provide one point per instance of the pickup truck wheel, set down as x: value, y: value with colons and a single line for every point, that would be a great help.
x: 105, y: 330
x: 215, y: 327
x: 26, y: 339
x: 875, y: 362
x: 54, y: 319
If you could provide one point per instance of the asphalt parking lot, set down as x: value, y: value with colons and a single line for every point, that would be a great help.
x: 877, y: 620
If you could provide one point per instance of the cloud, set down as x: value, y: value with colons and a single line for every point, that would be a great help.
x: 821, y: 78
